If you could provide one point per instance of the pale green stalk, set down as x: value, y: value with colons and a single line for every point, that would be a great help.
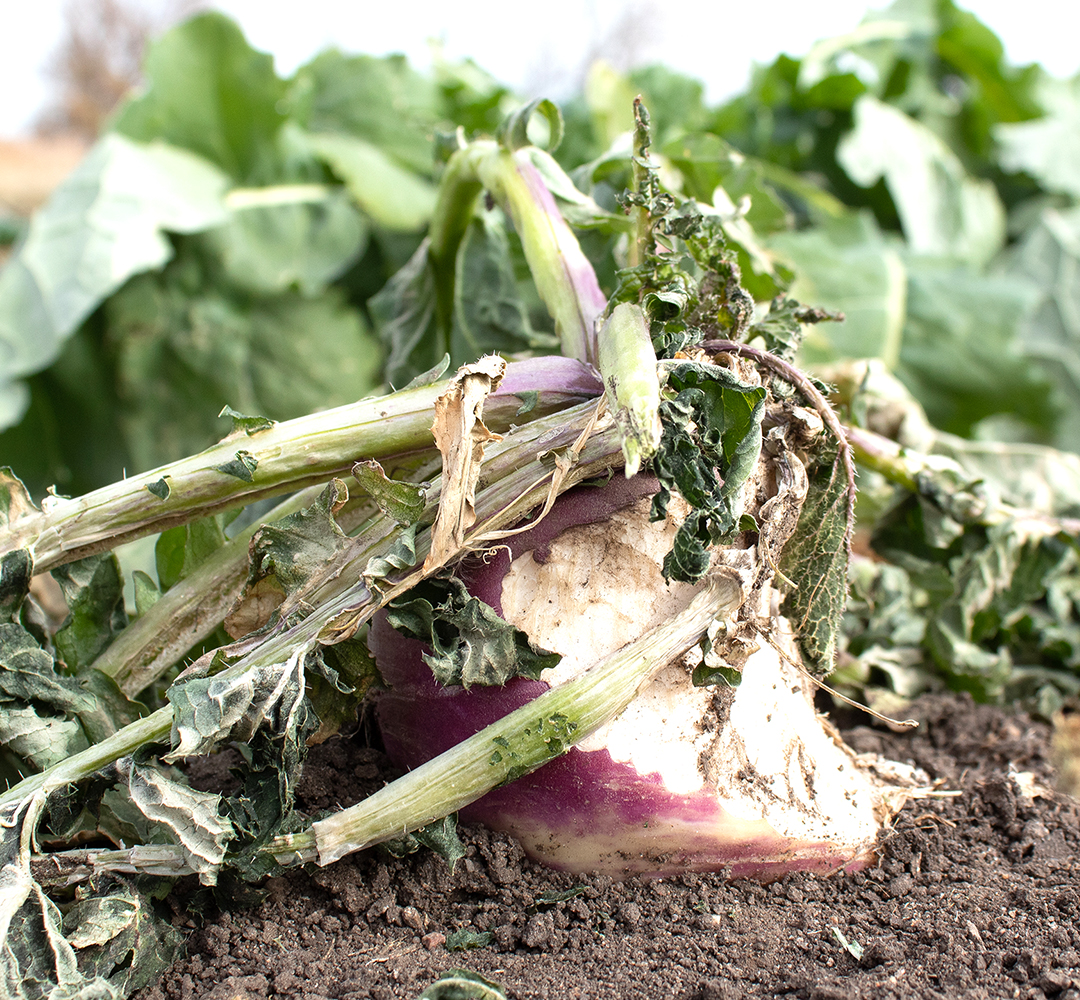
x: 154, y: 728
x: 284, y: 457
x: 517, y: 481
x: 631, y: 383
x: 515, y: 745
x: 188, y: 611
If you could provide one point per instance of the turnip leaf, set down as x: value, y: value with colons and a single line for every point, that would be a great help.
x: 470, y: 644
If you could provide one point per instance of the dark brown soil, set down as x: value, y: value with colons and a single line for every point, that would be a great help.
x: 976, y: 896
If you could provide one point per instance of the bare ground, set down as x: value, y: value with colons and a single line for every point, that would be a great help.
x: 976, y: 896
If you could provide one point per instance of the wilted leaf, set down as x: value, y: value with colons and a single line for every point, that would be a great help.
x: 815, y: 560
x: 470, y: 644
x: 36, y: 960
x: 118, y: 938
x: 285, y: 554
x: 404, y: 502
x: 461, y: 984
x: 465, y: 939
x: 711, y: 441
x: 190, y: 818
x: 235, y: 703
x: 461, y: 437
x: 47, y: 715
x: 94, y: 591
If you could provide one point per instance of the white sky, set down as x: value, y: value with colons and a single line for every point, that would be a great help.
x: 539, y: 45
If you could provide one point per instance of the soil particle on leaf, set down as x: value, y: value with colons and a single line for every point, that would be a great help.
x: 976, y: 895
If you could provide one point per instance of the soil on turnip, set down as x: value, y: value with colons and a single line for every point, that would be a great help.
x: 975, y: 896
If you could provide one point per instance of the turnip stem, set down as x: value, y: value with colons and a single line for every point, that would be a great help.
x: 631, y: 385
x: 152, y: 728
x: 515, y: 745
x: 287, y: 456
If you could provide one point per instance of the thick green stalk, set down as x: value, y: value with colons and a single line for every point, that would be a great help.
x: 563, y: 275
x: 278, y: 459
x: 517, y: 481
x: 515, y: 745
x: 152, y: 728
x: 631, y: 383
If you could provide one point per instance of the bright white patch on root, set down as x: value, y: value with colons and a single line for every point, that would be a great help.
x: 600, y: 588
x: 775, y: 761
x: 771, y: 760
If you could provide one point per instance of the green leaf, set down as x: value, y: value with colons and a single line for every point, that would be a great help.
x: 160, y: 488
x: 710, y: 444
x: 105, y: 223
x: 944, y: 211
x: 242, y: 422
x: 380, y: 100
x: 210, y: 92
x: 185, y: 346
x: 1048, y: 258
x: 1047, y: 148
x: 181, y: 550
x: 489, y: 314
x: 439, y: 836
x: 266, y: 249
x: 815, y: 560
x: 514, y: 131
x: 392, y: 195
x: 962, y: 354
x: 404, y: 314
x: 470, y: 644
x: 431, y: 376
x: 707, y: 676
x: 94, y: 591
x: 404, y: 502
x: 461, y: 984
x: 242, y: 466
x: 844, y: 264
x: 146, y: 592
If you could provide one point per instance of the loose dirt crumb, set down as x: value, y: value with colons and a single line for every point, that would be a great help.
x: 976, y: 896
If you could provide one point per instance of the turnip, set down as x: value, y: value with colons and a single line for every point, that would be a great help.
x: 745, y: 778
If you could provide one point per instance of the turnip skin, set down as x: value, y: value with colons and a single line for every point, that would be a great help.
x: 586, y: 811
